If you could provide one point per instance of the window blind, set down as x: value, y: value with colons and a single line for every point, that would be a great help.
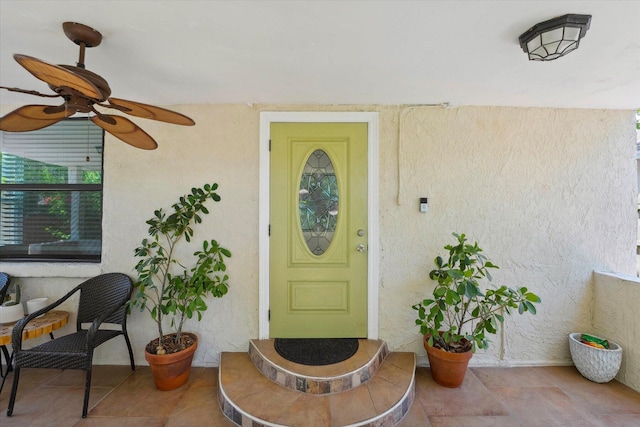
x: 51, y: 192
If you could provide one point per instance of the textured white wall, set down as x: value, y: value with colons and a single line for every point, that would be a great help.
x: 548, y: 193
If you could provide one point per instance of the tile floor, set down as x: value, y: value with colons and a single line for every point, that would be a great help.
x: 492, y: 397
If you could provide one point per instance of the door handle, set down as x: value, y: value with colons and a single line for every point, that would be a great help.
x: 360, y: 247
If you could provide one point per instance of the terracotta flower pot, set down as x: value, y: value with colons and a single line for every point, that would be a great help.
x: 171, y: 371
x: 447, y: 369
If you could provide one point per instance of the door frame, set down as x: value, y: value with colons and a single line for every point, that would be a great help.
x: 373, y: 232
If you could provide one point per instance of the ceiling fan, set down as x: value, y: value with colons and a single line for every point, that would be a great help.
x: 82, y: 90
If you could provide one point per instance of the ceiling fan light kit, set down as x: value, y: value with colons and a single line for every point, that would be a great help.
x: 82, y: 90
x: 557, y: 37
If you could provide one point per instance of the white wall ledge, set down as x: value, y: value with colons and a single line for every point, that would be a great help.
x: 627, y: 277
x: 51, y: 269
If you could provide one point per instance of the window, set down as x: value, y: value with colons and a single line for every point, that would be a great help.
x: 318, y: 202
x: 51, y: 193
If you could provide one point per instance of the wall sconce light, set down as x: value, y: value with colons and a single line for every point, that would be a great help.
x: 554, y: 38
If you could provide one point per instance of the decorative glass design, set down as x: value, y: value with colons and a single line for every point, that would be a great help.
x: 318, y: 202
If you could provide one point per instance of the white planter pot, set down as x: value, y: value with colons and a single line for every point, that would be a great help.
x: 11, y: 313
x: 596, y: 364
x: 36, y: 304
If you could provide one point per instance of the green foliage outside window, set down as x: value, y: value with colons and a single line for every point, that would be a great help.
x: 56, y: 205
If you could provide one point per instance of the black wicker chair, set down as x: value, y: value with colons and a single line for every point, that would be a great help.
x: 103, y: 299
x: 5, y: 281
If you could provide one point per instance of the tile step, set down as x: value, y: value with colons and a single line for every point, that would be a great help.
x: 248, y: 398
x: 351, y: 373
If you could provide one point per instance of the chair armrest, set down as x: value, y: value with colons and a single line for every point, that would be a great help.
x: 16, y: 334
x: 97, y: 322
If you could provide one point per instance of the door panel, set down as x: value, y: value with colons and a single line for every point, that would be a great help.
x: 318, y: 218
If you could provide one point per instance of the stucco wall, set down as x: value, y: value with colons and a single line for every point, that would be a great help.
x: 549, y: 194
x: 616, y: 317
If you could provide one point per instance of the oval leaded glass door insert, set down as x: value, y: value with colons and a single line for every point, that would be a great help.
x: 318, y: 202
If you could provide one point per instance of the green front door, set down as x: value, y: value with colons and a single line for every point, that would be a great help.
x: 318, y: 230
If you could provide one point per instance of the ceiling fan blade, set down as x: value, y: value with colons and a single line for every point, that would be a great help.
x: 152, y: 112
x: 57, y: 76
x: 33, y: 117
x: 125, y: 130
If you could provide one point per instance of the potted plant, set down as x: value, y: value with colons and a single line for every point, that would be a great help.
x: 11, y: 310
x: 457, y: 319
x: 169, y: 290
x: 596, y: 358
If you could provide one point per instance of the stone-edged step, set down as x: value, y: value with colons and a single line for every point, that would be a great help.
x: 249, y: 398
x: 351, y: 373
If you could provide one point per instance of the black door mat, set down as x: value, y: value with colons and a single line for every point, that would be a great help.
x: 316, y: 351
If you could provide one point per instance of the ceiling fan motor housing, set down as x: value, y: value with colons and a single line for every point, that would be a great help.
x: 94, y: 78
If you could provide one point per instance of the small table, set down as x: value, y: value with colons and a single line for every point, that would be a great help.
x: 46, y: 324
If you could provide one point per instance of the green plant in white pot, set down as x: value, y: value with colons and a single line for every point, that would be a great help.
x: 461, y: 313
x: 12, y: 309
x: 167, y: 288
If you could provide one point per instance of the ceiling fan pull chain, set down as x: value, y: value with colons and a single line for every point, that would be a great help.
x: 88, y: 158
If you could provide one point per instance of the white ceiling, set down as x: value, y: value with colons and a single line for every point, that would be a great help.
x: 330, y: 52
